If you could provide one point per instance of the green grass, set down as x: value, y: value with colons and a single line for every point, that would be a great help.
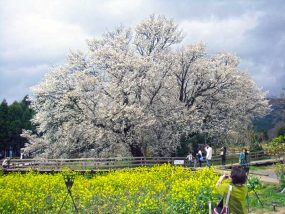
x: 255, y: 168
x: 268, y: 195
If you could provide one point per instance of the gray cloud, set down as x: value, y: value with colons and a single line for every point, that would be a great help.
x: 38, y: 34
x: 15, y: 82
x: 264, y: 48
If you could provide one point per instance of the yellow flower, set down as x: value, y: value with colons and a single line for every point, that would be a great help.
x: 140, y: 190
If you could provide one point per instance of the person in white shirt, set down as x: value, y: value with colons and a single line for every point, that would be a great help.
x: 6, y: 163
x: 190, y: 159
x: 209, y: 153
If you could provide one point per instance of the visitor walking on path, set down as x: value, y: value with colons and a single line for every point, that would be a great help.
x: 243, y: 160
x: 223, y: 155
x: 190, y: 159
x: 199, y: 157
x: 209, y: 153
x: 237, y: 180
x: 6, y: 163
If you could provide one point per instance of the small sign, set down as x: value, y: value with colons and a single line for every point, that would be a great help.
x: 178, y: 162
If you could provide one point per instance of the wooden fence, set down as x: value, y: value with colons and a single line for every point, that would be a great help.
x: 104, y: 164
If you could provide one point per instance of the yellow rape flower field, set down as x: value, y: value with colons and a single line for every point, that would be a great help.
x: 159, y: 189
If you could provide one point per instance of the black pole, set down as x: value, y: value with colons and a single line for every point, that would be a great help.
x: 258, y: 198
x: 76, y: 210
x: 63, y: 203
x: 69, y: 180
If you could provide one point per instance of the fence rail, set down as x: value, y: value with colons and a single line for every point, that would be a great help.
x: 102, y: 164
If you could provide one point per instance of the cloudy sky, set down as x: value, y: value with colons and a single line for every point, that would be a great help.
x: 38, y: 34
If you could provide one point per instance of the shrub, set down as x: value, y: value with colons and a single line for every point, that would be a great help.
x: 280, y: 172
x: 277, y: 146
x: 254, y: 183
x: 255, y: 147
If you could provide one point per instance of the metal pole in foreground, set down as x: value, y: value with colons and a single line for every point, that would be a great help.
x: 69, y: 180
x: 258, y: 198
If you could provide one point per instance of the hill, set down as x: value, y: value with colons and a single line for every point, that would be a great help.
x: 274, y: 122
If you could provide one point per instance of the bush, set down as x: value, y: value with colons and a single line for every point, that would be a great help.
x: 254, y: 183
x: 280, y: 172
x: 277, y: 146
x: 160, y: 189
x: 255, y: 147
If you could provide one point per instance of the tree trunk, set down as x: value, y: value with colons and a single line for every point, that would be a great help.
x: 136, y: 151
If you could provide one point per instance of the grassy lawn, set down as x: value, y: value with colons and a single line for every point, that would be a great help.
x: 255, y: 168
x: 267, y: 194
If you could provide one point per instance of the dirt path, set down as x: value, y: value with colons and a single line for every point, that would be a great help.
x: 279, y: 210
x: 266, y: 175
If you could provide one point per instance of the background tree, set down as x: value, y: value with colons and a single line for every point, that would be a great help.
x: 133, y: 93
x: 14, y: 118
x: 277, y: 146
x: 3, y: 126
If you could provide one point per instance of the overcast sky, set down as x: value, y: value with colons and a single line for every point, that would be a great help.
x: 37, y: 34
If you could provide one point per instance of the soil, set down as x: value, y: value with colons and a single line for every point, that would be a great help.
x: 266, y: 175
x: 279, y: 210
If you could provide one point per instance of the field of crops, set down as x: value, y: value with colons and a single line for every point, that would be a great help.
x: 160, y: 189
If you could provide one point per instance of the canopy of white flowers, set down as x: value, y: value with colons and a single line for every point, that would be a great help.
x: 136, y: 91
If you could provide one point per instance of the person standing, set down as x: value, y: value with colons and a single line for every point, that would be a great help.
x: 209, y: 153
x: 190, y: 159
x: 6, y: 163
x: 243, y: 160
x: 246, y: 152
x: 238, y: 193
x: 199, y: 157
x: 223, y: 155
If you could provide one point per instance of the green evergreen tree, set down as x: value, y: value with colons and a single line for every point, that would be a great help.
x: 27, y: 114
x: 3, y: 125
x: 13, y: 119
x: 14, y: 127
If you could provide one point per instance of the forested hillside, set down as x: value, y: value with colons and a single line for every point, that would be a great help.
x: 274, y: 123
x: 14, y: 118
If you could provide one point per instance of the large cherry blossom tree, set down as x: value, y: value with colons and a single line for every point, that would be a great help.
x: 136, y: 91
